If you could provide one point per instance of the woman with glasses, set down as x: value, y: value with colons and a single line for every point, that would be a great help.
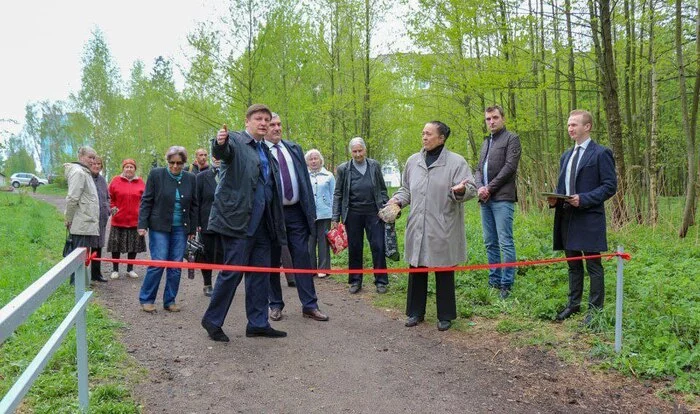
x: 169, y: 212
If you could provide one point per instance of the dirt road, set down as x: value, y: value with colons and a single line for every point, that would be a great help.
x: 362, y: 361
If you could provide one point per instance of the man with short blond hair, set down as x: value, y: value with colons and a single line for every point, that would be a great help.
x: 587, y: 177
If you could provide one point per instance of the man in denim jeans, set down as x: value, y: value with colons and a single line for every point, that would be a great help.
x: 497, y: 192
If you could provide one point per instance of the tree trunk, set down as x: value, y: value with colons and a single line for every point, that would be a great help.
x: 606, y: 62
x: 689, y: 209
x: 570, y: 45
x: 654, y: 135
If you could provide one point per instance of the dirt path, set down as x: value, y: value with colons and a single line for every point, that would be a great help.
x: 362, y: 361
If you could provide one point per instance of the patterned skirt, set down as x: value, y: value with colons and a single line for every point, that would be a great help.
x: 125, y: 240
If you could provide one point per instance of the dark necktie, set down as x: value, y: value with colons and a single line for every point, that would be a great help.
x: 572, y: 174
x: 284, y: 172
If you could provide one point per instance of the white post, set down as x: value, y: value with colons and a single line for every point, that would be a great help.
x: 81, y: 338
x: 618, y: 302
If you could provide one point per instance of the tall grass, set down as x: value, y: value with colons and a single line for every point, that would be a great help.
x: 31, y: 240
x: 661, y: 296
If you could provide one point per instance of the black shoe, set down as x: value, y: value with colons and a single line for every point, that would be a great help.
x: 207, y: 290
x: 99, y: 278
x: 381, y: 289
x: 354, y: 288
x: 587, y: 320
x: 268, y: 332
x: 566, y: 313
x: 505, y: 292
x: 215, y: 332
x: 444, y: 325
x: 413, y: 321
x: 291, y: 282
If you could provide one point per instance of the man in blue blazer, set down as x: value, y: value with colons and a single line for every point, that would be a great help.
x: 587, y: 175
x: 299, y: 219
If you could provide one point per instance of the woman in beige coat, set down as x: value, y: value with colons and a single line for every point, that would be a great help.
x: 435, y: 183
x: 82, y: 215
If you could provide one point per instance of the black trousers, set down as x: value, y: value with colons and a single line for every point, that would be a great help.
x: 356, y: 225
x: 213, y: 253
x: 444, y: 295
x: 129, y: 267
x: 596, y: 274
x: 95, y: 266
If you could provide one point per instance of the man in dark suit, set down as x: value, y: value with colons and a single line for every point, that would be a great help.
x: 587, y: 175
x: 207, y: 181
x: 247, y: 214
x: 299, y: 218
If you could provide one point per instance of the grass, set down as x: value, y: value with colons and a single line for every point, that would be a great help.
x: 661, y: 321
x: 52, y: 189
x: 31, y: 243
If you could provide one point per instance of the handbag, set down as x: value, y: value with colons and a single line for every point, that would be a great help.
x: 68, y: 246
x: 391, y: 245
x: 337, y: 238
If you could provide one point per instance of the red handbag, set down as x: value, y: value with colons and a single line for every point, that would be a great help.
x: 337, y: 238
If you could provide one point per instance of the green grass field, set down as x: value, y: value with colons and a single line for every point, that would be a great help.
x: 31, y: 242
x: 661, y: 318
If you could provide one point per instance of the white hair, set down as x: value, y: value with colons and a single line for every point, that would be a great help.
x: 357, y: 140
x: 314, y: 151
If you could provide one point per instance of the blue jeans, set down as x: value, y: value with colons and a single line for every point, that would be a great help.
x: 497, y: 225
x: 164, y: 246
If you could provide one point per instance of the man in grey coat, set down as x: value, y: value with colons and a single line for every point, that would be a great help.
x: 495, y: 176
x: 436, y: 182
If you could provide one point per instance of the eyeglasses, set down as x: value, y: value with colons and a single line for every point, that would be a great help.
x: 176, y: 162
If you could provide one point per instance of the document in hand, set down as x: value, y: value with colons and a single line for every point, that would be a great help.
x: 555, y: 195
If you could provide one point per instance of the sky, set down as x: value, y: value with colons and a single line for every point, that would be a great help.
x: 42, y: 43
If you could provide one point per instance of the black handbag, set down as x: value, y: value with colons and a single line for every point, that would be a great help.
x: 68, y: 247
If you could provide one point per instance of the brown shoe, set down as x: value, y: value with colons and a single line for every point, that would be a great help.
x: 148, y: 307
x: 315, y: 314
x: 172, y: 308
x: 276, y: 314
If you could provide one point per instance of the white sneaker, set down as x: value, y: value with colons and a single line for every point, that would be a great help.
x: 133, y: 275
x: 322, y: 275
x: 114, y: 275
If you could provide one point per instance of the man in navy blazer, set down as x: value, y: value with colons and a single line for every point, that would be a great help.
x: 299, y: 219
x: 587, y: 175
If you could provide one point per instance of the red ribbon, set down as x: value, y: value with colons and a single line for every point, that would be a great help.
x: 252, y: 269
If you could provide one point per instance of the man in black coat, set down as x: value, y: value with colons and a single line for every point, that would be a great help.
x: 247, y: 214
x: 207, y: 181
x: 587, y: 175
x: 299, y: 218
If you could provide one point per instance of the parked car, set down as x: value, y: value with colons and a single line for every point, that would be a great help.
x: 19, y: 179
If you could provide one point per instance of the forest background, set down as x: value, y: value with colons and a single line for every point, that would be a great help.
x: 634, y: 64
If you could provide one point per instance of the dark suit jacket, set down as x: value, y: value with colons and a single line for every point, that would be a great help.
x: 504, y: 156
x: 341, y: 195
x: 306, y: 193
x: 233, y: 201
x: 596, y: 181
x: 158, y: 201
x: 206, y: 187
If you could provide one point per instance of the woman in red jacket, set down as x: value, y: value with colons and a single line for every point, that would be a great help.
x: 125, y: 193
